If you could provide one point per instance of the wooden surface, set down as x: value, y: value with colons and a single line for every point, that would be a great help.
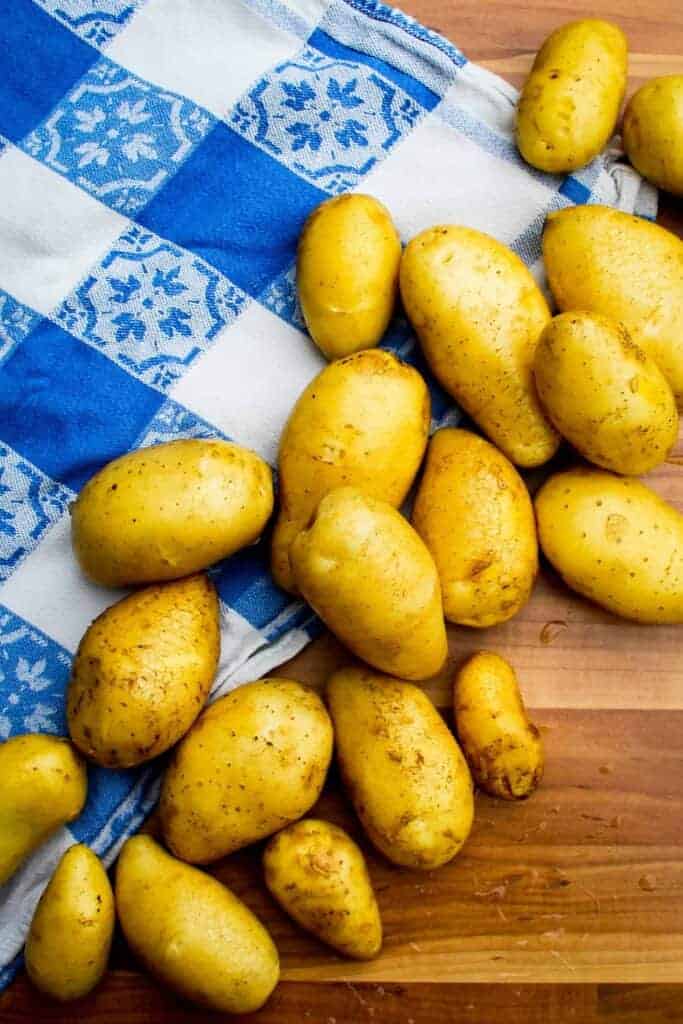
x: 580, y: 890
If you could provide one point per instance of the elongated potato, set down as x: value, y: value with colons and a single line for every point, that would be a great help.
x: 478, y: 314
x: 363, y: 421
x: 347, y: 273
x: 653, y: 132
x: 615, y: 541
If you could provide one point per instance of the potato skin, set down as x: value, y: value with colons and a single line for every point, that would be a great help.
x: 254, y: 761
x: 363, y: 421
x: 318, y: 876
x: 372, y: 580
x: 474, y: 513
x: 604, y: 261
x: 167, y: 511
x: 402, y: 768
x: 478, y: 313
x: 570, y: 102
x: 68, y: 943
x: 653, y: 132
x: 502, y: 747
x: 347, y: 273
x: 192, y: 932
x: 143, y: 672
x: 615, y: 541
x: 604, y: 393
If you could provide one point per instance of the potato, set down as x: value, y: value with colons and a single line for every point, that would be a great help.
x: 570, y: 102
x: 347, y: 273
x: 478, y: 314
x: 363, y: 421
x: 318, y: 876
x: 474, y: 513
x: 371, y: 579
x: 605, y: 261
x: 69, y: 939
x: 143, y: 672
x: 615, y: 541
x: 404, y: 771
x: 192, y: 932
x: 167, y: 511
x: 44, y: 786
x: 604, y: 393
x: 502, y: 747
x: 653, y: 132
x: 255, y: 761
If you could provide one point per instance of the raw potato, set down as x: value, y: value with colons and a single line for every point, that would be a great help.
x: 44, y: 786
x: 167, y: 511
x: 653, y: 132
x: 143, y: 672
x: 68, y: 943
x: 502, y: 747
x: 255, y: 761
x: 192, y: 932
x: 318, y: 875
x: 474, y: 513
x: 605, y: 261
x: 604, y: 393
x: 478, y: 314
x: 404, y: 771
x: 615, y: 541
x: 363, y: 421
x: 347, y: 273
x: 570, y: 102
x: 370, y: 578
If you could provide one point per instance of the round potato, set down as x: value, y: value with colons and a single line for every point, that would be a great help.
x: 347, y: 273
x: 615, y: 541
x: 167, y: 511
x: 502, y: 747
x: 653, y: 132
x: 604, y: 393
x: 474, y: 513
x: 478, y: 313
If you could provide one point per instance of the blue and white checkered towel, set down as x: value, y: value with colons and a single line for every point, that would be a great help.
x: 157, y: 160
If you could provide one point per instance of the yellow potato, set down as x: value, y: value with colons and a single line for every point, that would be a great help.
x: 254, y: 761
x: 192, y: 932
x: 474, y: 513
x: 605, y: 261
x: 143, y: 672
x: 371, y: 579
x: 347, y: 273
x: 604, y: 393
x: 478, y: 313
x: 44, y: 786
x: 68, y: 943
x: 318, y: 875
x: 502, y: 747
x: 404, y: 771
x: 570, y: 102
x: 653, y: 132
x: 167, y: 511
x: 615, y: 541
x: 363, y: 421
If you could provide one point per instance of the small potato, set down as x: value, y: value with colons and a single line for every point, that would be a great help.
x: 604, y: 393
x: 653, y: 132
x: 402, y: 768
x: 371, y: 579
x: 68, y: 943
x: 167, y: 511
x: 474, y: 513
x: 255, y: 761
x: 502, y: 747
x: 347, y: 273
x: 318, y: 876
x: 615, y: 541
x: 570, y: 102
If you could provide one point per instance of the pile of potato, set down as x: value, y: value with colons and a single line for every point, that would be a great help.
x: 606, y: 374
